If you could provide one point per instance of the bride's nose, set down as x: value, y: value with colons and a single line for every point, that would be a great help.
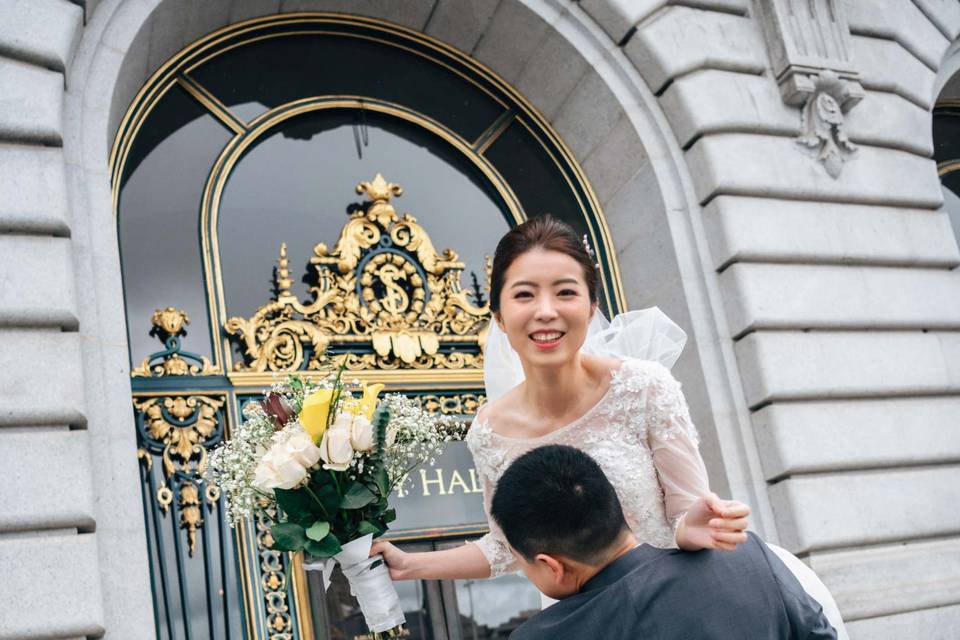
x: 546, y: 308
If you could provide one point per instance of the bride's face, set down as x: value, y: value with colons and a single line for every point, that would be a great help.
x: 545, y: 307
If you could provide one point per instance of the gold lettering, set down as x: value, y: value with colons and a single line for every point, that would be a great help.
x: 473, y: 482
x: 457, y: 480
x: 426, y: 483
x: 401, y: 486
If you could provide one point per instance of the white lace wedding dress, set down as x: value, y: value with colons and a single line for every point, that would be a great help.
x: 641, y: 434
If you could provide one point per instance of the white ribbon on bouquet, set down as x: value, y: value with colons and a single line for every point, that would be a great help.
x: 372, y: 586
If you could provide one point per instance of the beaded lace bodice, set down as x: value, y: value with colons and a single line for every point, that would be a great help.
x: 639, y: 432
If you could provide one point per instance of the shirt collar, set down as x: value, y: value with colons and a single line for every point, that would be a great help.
x: 620, y: 567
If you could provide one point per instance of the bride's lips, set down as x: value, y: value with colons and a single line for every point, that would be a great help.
x: 537, y: 337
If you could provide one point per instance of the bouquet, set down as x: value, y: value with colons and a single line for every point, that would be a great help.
x: 329, y: 455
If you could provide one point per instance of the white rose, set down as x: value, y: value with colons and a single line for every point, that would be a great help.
x: 263, y: 477
x: 301, y: 448
x: 343, y: 421
x: 278, y: 470
x: 361, y: 434
x: 335, y: 449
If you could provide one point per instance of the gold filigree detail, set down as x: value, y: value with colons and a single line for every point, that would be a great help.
x: 273, y: 578
x: 183, y: 426
x: 169, y: 325
x: 458, y: 404
x: 383, y: 288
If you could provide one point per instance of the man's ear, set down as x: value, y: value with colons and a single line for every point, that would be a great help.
x: 557, y: 567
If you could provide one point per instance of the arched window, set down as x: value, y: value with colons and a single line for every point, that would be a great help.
x: 266, y: 179
x: 946, y: 151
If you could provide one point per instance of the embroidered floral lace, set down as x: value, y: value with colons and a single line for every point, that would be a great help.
x: 639, y: 432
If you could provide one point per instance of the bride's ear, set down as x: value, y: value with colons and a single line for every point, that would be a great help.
x: 499, y: 320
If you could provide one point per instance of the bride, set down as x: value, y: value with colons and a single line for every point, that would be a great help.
x: 557, y: 374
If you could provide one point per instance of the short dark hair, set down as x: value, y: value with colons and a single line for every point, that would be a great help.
x: 543, y: 232
x: 557, y: 500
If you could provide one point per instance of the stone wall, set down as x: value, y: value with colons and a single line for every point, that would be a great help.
x: 840, y: 295
x: 822, y: 311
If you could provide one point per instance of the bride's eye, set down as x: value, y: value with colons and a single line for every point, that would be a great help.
x: 522, y: 294
x: 568, y: 292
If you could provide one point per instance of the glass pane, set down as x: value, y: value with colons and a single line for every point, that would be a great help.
x: 159, y: 220
x: 268, y: 73
x: 297, y: 186
x: 534, y: 176
x: 946, y: 134
x: 492, y: 609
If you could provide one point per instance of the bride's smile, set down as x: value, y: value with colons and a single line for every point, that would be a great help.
x: 546, y: 307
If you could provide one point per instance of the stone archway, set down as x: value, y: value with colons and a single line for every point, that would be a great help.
x: 599, y: 103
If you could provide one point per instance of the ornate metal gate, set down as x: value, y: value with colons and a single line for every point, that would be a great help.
x: 386, y: 305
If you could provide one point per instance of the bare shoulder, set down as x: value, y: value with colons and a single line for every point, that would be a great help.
x: 502, y: 412
x: 602, y: 367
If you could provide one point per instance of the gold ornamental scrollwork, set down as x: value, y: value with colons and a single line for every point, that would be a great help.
x: 383, y: 293
x: 169, y: 325
x: 179, y: 430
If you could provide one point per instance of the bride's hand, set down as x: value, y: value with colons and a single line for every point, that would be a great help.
x: 712, y: 523
x: 398, y: 562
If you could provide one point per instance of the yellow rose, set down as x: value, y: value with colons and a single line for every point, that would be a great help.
x: 368, y: 403
x: 313, y: 415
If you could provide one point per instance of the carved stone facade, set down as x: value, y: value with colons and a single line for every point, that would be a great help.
x: 821, y: 303
x: 811, y: 52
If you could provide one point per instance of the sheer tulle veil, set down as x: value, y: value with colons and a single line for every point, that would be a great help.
x: 646, y: 334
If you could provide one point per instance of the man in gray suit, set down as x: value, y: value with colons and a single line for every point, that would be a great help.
x: 564, y: 523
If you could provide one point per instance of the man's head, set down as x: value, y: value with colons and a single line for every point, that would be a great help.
x: 561, y: 517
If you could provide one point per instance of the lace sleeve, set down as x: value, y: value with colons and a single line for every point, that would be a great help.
x: 673, y: 442
x: 493, y: 545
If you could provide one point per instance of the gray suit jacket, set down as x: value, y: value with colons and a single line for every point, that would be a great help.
x: 663, y: 593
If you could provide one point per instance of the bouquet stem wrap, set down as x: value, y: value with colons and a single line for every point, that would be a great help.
x: 373, y: 588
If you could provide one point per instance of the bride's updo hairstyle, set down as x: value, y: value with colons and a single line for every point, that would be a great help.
x: 543, y: 232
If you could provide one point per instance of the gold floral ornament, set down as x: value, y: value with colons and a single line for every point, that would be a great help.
x: 180, y: 429
x: 383, y: 298
x: 169, y: 325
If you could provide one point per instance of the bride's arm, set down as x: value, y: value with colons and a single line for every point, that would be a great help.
x: 490, y: 556
x: 700, y: 518
x: 460, y: 563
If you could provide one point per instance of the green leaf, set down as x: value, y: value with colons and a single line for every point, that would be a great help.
x: 296, y: 503
x: 288, y: 536
x: 389, y: 515
x: 357, y: 497
x: 318, y: 530
x: 375, y: 564
x: 383, y: 481
x: 366, y: 527
x: 325, y: 548
x: 329, y: 497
